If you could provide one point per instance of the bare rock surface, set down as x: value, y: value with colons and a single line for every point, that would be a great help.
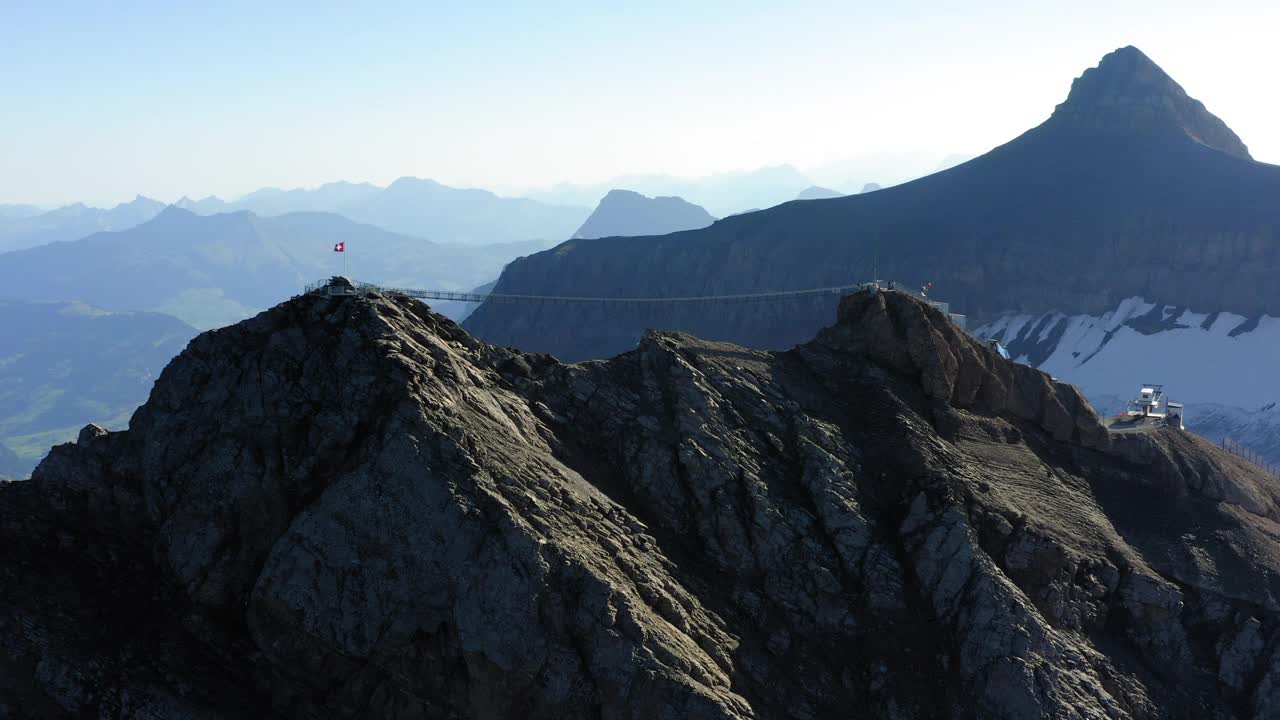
x: 348, y: 507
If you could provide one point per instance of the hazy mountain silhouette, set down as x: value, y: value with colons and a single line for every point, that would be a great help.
x: 415, y: 206
x: 627, y: 213
x: 72, y: 222
x: 815, y: 192
x: 1130, y: 188
x: 330, y: 197
x: 871, y: 187
x: 721, y: 194
x: 446, y: 214
x: 210, y: 205
x: 211, y: 270
x: 16, y: 211
x: 67, y: 364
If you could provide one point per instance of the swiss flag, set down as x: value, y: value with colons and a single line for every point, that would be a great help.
x: 340, y: 247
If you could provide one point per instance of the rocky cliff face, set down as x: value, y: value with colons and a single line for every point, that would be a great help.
x: 1130, y: 189
x: 349, y: 507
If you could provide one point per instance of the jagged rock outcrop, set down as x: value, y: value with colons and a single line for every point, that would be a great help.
x: 1130, y: 188
x: 349, y: 507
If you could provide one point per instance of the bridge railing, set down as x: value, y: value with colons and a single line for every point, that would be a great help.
x: 462, y: 296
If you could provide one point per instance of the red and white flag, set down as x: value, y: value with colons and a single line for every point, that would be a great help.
x: 340, y: 247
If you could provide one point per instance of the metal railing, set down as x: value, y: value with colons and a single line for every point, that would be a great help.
x: 1245, y: 453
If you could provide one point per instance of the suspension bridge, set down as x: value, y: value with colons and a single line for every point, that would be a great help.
x: 356, y: 288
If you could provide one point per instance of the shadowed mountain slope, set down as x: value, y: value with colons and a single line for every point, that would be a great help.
x: 1130, y: 188
x: 348, y: 507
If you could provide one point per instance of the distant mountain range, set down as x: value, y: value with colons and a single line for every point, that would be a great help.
x: 627, y: 213
x: 411, y: 206
x: 213, y: 270
x: 24, y: 226
x: 63, y: 365
x: 416, y: 206
x: 274, y: 201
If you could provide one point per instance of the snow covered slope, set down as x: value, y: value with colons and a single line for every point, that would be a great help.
x: 1225, y: 367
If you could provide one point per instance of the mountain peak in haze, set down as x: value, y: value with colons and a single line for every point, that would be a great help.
x: 817, y: 192
x: 1128, y: 93
x: 625, y: 213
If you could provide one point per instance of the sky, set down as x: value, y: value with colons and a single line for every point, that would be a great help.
x: 103, y: 101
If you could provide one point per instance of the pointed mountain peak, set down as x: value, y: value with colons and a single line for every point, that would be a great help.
x: 1128, y: 93
x: 174, y: 212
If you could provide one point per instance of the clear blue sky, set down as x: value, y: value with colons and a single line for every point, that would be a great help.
x: 99, y: 101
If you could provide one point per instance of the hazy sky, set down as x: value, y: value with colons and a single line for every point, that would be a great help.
x: 99, y: 101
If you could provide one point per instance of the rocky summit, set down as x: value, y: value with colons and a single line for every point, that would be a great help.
x: 1129, y: 93
x: 348, y: 507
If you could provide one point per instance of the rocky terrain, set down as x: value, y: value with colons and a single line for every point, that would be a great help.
x: 1131, y: 188
x: 349, y: 507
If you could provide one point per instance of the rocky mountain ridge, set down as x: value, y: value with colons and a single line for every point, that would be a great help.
x: 349, y: 507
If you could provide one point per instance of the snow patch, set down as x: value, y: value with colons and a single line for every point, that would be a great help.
x: 1109, y: 355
